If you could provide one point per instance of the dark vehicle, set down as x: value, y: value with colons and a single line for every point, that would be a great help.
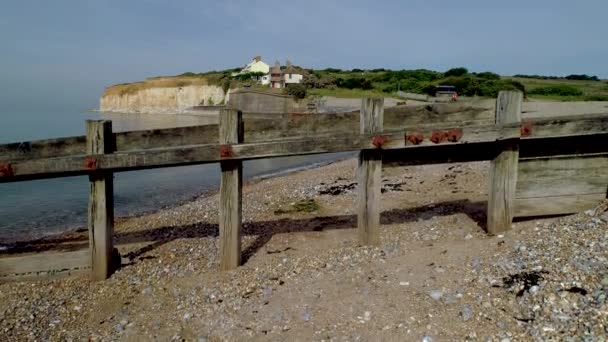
x: 445, y: 91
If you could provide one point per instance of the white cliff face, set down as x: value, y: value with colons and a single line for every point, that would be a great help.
x: 163, y: 100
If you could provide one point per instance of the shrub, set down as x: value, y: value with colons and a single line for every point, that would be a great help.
x: 559, y: 90
x: 471, y: 86
x: 355, y: 82
x: 357, y: 70
x: 298, y: 91
x: 582, y: 77
x: 488, y: 75
x: 456, y: 72
x: 334, y: 70
x: 596, y: 97
x: 318, y: 81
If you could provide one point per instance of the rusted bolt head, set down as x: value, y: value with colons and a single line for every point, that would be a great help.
x: 379, y: 140
x: 6, y: 170
x: 437, y: 136
x: 90, y: 163
x: 526, y: 129
x: 454, y: 134
x: 415, y: 138
x: 226, y: 151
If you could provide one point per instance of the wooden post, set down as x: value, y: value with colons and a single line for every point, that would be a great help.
x: 231, y: 132
x: 101, y: 200
x: 369, y: 174
x: 503, y: 169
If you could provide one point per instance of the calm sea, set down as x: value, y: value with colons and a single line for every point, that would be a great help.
x: 35, y: 208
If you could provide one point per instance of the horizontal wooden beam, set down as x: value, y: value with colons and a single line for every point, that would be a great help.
x: 482, y: 135
x: 199, y: 154
x: 263, y: 127
x: 556, y: 205
x: 44, y: 265
x: 258, y: 127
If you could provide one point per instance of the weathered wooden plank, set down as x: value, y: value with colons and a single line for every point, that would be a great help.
x: 562, y: 146
x: 166, y: 137
x: 101, y: 202
x: 560, y: 167
x: 231, y: 193
x: 565, y: 126
x: 556, y: 205
x: 369, y: 174
x: 562, y: 176
x: 293, y: 125
x: 185, y: 155
x: 47, y: 148
x: 503, y: 170
x: 44, y: 265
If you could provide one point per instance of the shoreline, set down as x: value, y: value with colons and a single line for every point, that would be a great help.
x: 5, y: 248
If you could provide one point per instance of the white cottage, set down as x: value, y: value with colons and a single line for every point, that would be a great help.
x: 292, y: 74
x: 256, y: 65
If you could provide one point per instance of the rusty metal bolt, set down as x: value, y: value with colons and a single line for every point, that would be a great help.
x: 6, y: 170
x: 437, y: 136
x: 454, y: 134
x: 90, y: 163
x: 526, y: 129
x: 415, y: 138
x: 226, y: 151
x: 379, y: 140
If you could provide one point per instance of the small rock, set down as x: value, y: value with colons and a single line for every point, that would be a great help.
x: 147, y: 291
x: 427, y: 339
x: 466, y: 313
x: 534, y: 289
x: 187, y: 316
x: 367, y: 315
x: 469, y: 236
x: 436, y: 294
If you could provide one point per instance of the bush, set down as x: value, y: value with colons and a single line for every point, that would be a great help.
x: 471, y: 86
x: 596, y: 97
x: 559, y: 90
x: 357, y: 70
x: 355, y: 82
x: 318, y: 81
x: 456, y: 72
x: 298, y: 91
x: 334, y: 70
x: 582, y: 77
x: 488, y: 75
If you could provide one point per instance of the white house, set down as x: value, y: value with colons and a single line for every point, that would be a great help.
x: 292, y: 75
x: 256, y: 65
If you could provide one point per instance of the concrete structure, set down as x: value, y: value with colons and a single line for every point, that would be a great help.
x: 265, y: 101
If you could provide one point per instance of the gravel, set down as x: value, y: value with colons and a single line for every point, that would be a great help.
x: 435, y: 276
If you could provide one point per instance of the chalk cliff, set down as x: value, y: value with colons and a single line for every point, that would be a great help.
x: 159, y: 95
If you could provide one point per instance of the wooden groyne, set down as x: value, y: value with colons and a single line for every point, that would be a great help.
x: 539, y: 167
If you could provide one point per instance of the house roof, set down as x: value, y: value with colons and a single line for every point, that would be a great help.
x: 294, y: 70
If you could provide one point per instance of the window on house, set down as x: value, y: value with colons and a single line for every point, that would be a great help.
x: 289, y: 76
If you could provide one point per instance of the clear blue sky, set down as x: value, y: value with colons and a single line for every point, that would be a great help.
x: 63, y: 53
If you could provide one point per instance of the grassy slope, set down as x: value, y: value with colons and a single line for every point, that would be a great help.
x: 591, y: 89
x: 212, y: 78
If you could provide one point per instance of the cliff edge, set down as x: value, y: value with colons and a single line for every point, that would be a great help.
x: 163, y: 95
